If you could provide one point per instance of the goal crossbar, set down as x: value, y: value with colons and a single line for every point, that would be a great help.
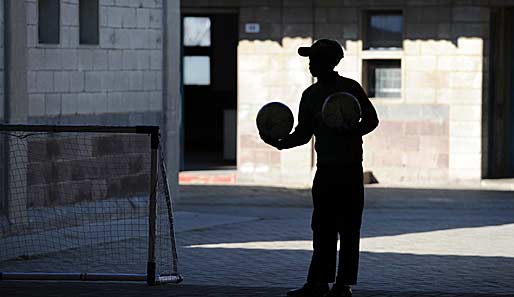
x: 80, y: 128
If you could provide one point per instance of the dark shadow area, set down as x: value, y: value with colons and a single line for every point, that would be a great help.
x: 498, y: 106
x: 207, y: 161
x: 384, y: 271
x: 279, y: 21
x: 404, y: 210
x: 209, y: 101
x: 24, y: 289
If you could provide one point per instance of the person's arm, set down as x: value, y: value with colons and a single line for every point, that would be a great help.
x: 369, y: 118
x: 303, y: 131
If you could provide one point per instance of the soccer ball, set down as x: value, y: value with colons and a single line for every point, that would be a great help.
x: 275, y: 120
x: 341, y: 110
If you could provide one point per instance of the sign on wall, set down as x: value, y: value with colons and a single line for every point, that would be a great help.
x: 252, y: 28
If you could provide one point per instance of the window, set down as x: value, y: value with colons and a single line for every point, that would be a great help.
x: 197, y: 50
x: 48, y: 21
x: 197, y: 70
x: 197, y: 31
x: 384, y: 30
x: 88, y: 21
x: 383, y: 78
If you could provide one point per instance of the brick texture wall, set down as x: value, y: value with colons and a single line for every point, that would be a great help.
x: 123, y: 74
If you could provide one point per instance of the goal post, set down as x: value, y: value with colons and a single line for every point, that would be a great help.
x: 85, y: 203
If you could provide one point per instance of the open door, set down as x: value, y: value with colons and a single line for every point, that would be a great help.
x: 210, y: 91
x: 500, y: 117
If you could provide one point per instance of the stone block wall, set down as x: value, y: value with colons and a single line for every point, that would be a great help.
x: 120, y: 81
x: 431, y: 134
x: 121, y: 75
x: 411, y: 144
x: 69, y: 168
x: 269, y: 69
x: 469, y: 85
x: 2, y: 92
x: 442, y: 69
x: 3, y: 201
x: 117, y: 82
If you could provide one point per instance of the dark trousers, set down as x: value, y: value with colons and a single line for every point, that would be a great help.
x: 338, y: 198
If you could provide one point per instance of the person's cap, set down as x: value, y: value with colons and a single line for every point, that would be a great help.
x: 323, y: 48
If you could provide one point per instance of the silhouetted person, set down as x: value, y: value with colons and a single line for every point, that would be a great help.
x: 338, y: 190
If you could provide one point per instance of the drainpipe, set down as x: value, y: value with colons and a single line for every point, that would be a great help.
x: 15, y: 62
x: 16, y: 104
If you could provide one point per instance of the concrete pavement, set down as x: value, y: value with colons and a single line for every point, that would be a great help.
x: 425, y: 242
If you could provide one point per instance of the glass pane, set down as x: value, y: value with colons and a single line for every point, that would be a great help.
x: 387, y: 82
x: 197, y: 70
x: 48, y: 21
x: 385, y: 31
x: 88, y: 22
x: 385, y: 78
x: 197, y: 31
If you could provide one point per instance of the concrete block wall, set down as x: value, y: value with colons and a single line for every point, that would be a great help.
x: 432, y: 134
x: 121, y: 75
x: 64, y: 170
x: 118, y: 82
x: 442, y: 74
x: 2, y: 92
x: 2, y: 96
x: 469, y: 85
x: 269, y: 69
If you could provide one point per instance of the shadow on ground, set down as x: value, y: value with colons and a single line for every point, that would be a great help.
x: 30, y: 289
x: 420, y: 210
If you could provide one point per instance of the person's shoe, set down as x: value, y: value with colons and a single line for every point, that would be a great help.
x: 310, y: 290
x: 340, y: 291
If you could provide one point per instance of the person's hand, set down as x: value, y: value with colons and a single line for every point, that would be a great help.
x: 270, y: 141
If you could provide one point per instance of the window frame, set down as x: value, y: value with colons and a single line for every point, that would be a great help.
x: 366, y: 79
x: 195, y: 50
x: 366, y: 17
x: 81, y: 43
x: 39, y: 39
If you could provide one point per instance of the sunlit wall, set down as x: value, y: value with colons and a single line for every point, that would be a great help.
x: 431, y: 123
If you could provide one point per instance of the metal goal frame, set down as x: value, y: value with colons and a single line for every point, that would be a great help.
x: 151, y: 277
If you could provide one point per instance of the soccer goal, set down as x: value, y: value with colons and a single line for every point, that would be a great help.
x: 85, y: 203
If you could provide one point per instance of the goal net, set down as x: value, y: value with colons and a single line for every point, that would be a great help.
x: 85, y: 203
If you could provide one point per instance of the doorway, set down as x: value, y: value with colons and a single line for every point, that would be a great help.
x: 500, y: 108
x: 209, y: 109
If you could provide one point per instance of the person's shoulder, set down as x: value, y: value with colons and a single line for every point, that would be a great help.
x: 349, y: 82
x: 310, y: 90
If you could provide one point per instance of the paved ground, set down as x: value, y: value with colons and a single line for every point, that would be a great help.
x: 415, y: 243
x: 136, y: 290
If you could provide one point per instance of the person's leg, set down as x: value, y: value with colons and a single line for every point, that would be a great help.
x: 350, y: 235
x: 323, y: 263
x: 324, y: 231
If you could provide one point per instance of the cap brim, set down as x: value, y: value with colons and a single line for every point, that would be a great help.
x: 304, y: 51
